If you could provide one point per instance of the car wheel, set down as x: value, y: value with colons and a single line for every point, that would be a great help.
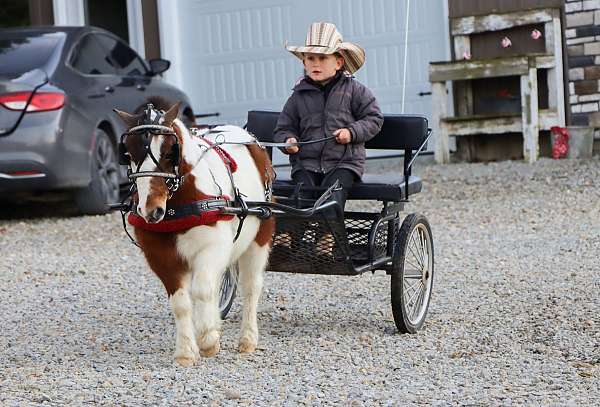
x: 104, y: 186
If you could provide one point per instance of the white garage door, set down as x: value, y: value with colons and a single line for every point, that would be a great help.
x: 228, y: 55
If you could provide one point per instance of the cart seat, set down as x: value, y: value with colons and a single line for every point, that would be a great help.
x: 381, y: 187
x: 408, y: 133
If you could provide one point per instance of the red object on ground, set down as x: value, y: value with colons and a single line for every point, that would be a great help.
x: 560, y: 142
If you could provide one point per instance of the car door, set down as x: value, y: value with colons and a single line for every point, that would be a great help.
x: 97, y: 83
x: 92, y: 89
x: 91, y: 83
x: 132, y: 71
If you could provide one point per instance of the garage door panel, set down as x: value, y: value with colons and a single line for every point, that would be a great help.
x: 362, y: 18
x: 216, y: 32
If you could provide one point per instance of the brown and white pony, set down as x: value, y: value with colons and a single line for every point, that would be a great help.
x: 190, y: 263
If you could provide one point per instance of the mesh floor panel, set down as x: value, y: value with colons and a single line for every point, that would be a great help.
x: 321, y: 246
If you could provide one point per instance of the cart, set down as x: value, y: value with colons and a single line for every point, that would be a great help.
x: 309, y: 239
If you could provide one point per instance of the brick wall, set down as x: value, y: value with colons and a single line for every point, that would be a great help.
x: 583, y: 49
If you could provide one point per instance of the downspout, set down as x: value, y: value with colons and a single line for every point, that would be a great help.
x: 405, y: 53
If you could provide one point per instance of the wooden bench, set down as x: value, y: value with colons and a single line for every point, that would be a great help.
x: 399, y: 132
x: 532, y: 119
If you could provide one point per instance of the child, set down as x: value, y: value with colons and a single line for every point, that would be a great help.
x: 328, y: 101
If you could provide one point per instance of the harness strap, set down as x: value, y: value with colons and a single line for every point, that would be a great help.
x: 140, y: 174
x: 184, y: 217
x: 196, y: 208
x: 242, y: 215
x: 231, y: 167
x: 225, y: 156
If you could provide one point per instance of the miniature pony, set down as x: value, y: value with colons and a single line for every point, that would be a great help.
x: 175, y: 170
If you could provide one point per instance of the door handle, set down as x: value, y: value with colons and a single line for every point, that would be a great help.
x: 109, y: 89
x: 140, y: 87
x: 424, y: 93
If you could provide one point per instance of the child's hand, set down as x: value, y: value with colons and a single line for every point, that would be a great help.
x: 294, y: 149
x: 342, y: 136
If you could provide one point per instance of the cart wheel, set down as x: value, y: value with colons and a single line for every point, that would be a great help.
x: 412, y: 274
x: 228, y: 289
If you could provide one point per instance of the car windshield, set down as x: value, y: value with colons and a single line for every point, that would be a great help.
x: 23, y: 52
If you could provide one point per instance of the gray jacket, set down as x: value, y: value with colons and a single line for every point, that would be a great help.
x: 306, y: 116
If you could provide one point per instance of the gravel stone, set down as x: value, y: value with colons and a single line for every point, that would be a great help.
x: 513, y: 320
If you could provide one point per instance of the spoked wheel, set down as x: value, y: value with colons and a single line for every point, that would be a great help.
x: 228, y: 289
x: 412, y: 274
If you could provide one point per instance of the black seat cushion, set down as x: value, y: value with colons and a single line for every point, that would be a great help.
x: 381, y: 187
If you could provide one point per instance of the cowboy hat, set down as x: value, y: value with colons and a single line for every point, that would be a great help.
x: 324, y: 38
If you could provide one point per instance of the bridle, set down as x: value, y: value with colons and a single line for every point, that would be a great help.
x: 146, y: 132
x: 151, y: 125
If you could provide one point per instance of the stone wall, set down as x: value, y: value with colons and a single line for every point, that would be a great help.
x: 583, y: 49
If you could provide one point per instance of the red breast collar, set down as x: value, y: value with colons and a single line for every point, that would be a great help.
x: 184, y: 217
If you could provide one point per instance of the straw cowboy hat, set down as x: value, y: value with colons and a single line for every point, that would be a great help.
x: 324, y: 38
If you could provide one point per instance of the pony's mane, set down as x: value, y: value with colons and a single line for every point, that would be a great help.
x: 159, y: 103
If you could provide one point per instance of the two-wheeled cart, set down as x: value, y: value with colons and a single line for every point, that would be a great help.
x: 314, y: 236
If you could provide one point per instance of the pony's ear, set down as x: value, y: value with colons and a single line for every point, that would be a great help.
x: 129, y: 119
x: 172, y: 113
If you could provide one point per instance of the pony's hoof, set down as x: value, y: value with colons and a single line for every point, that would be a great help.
x: 212, y: 351
x: 209, y: 344
x: 185, y: 361
x: 246, y: 346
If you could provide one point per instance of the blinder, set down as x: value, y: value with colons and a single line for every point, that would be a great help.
x: 175, y: 155
x: 146, y: 138
x: 124, y: 157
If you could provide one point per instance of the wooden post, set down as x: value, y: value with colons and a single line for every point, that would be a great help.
x: 556, y: 92
x: 462, y: 90
x: 530, y: 115
x: 438, y: 112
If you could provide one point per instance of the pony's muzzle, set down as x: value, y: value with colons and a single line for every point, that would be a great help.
x: 154, y: 216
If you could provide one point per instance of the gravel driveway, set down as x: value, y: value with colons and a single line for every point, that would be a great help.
x: 514, y: 318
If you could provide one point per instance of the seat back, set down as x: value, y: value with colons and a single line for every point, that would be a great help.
x: 399, y: 132
x: 261, y: 123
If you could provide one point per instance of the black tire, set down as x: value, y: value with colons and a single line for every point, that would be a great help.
x: 228, y: 290
x: 104, y: 186
x: 412, y: 261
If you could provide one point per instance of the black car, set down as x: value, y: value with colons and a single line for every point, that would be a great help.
x: 58, y: 131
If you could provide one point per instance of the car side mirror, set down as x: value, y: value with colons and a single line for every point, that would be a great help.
x: 158, y: 66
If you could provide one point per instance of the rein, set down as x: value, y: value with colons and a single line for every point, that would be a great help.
x: 264, y: 144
